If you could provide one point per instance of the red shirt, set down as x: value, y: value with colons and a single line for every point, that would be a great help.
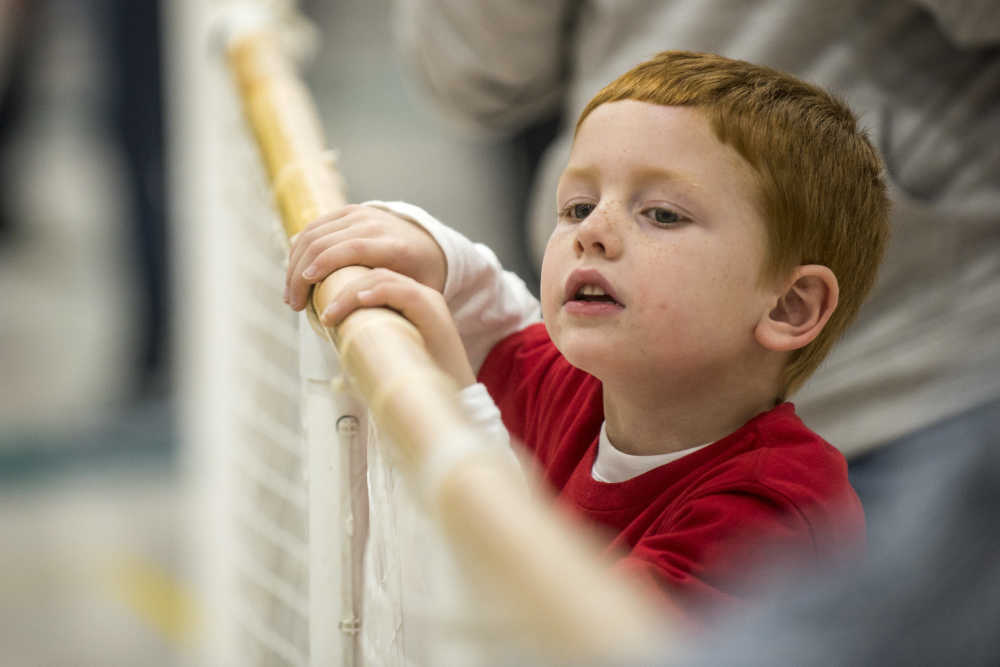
x: 696, y: 527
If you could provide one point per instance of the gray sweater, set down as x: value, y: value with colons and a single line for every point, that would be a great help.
x: 924, y: 76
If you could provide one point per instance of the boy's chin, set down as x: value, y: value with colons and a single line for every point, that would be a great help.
x: 609, y: 362
x: 599, y: 353
x: 590, y: 357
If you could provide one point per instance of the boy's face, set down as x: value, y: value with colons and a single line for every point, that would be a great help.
x: 653, y: 270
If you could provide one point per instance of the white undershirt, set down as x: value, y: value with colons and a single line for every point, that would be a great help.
x: 613, y: 465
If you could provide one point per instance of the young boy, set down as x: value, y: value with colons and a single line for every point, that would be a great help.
x: 719, y: 225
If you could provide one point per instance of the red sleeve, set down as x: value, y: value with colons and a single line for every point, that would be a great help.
x: 545, y: 402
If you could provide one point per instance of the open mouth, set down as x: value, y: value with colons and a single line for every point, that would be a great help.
x: 593, y: 294
x: 589, y: 292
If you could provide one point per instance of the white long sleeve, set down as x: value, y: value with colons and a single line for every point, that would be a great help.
x: 487, y: 303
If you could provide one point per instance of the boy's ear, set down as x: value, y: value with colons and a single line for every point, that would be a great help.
x: 801, y: 311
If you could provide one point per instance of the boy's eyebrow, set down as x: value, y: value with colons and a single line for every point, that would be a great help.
x: 583, y: 173
x: 646, y: 173
x: 684, y: 180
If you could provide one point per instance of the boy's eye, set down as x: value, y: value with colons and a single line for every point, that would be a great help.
x: 664, y: 216
x: 578, y: 211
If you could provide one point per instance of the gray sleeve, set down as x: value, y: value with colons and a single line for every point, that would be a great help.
x: 495, y: 67
x: 968, y: 23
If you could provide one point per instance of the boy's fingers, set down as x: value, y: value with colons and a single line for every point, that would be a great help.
x: 337, y: 254
x: 303, y: 254
x: 378, y: 288
x: 306, y: 241
x: 423, y: 306
x: 426, y: 309
x: 351, y: 242
x: 342, y: 218
x: 378, y: 252
x: 357, y: 235
x: 333, y: 217
x: 408, y: 297
x: 346, y: 300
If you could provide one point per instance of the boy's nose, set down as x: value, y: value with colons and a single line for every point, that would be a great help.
x: 598, y: 234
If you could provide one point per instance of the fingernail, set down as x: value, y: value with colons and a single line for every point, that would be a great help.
x: 328, y: 313
x: 310, y: 273
x: 364, y: 294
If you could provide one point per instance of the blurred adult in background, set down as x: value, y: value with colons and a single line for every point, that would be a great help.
x: 924, y: 76
x: 82, y: 299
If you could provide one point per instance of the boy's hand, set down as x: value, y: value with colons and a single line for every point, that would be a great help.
x: 423, y: 306
x: 361, y: 236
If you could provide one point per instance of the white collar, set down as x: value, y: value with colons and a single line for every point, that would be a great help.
x: 613, y: 465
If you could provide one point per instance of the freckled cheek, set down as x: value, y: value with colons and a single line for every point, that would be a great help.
x: 669, y: 312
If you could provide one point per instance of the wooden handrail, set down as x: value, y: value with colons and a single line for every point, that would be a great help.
x: 544, y: 569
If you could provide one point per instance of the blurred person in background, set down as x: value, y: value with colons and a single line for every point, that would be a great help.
x: 912, y: 393
x: 81, y: 216
x: 924, y: 76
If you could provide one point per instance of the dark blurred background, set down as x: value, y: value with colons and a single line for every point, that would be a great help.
x: 97, y: 548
